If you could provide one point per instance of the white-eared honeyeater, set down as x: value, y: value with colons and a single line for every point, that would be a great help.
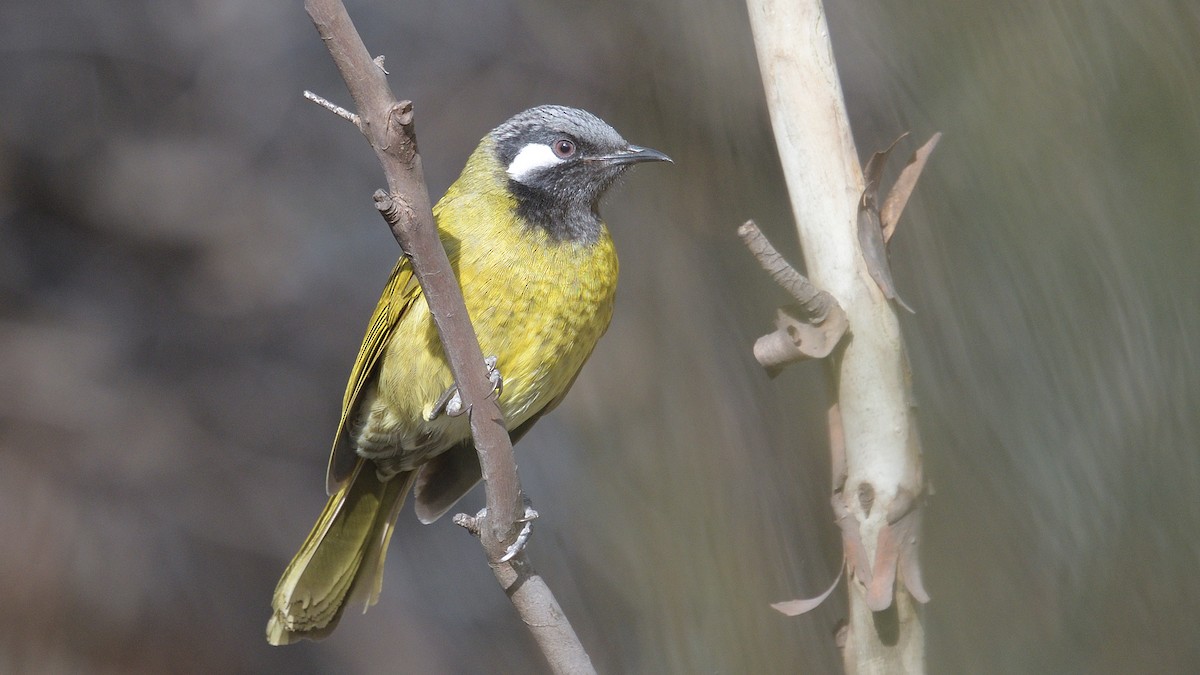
x: 539, y: 273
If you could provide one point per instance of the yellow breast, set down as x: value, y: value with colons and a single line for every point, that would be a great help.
x: 538, y: 304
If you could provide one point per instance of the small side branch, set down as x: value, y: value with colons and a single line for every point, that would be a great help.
x: 815, y: 302
x: 808, y: 330
x: 334, y: 108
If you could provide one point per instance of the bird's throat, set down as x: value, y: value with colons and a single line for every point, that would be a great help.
x: 575, y: 221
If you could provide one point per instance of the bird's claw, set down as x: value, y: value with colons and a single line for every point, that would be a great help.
x: 522, y: 538
x: 450, y: 402
x: 473, y: 523
x: 495, y: 377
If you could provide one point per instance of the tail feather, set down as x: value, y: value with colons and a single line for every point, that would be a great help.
x: 341, y: 561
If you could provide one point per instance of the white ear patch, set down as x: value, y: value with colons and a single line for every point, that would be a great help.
x: 531, y: 159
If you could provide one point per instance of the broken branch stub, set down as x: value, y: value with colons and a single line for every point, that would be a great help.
x: 797, y: 338
x: 807, y: 330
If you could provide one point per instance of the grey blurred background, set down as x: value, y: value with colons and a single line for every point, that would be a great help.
x: 189, y: 254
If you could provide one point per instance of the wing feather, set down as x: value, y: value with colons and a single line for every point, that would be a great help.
x: 398, y: 295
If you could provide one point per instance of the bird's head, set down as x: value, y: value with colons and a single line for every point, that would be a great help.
x: 559, y: 162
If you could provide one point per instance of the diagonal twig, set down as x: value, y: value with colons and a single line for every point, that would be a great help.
x: 335, y: 109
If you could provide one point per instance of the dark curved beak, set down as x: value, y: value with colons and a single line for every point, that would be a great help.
x: 633, y: 155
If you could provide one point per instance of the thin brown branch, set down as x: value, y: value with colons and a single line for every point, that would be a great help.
x: 388, y: 125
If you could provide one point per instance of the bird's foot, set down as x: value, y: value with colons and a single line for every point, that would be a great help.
x: 450, y: 402
x: 473, y: 523
x: 522, y: 538
x: 494, y: 375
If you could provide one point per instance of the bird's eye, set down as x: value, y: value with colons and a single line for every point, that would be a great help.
x: 563, y: 147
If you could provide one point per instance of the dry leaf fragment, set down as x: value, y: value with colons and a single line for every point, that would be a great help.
x: 803, y: 605
x: 898, y: 196
x: 870, y: 228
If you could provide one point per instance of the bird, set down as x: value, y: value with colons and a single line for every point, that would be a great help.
x: 538, y: 271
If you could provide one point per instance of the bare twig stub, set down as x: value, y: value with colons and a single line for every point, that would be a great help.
x: 335, y: 109
x: 388, y: 126
x: 808, y: 330
x: 815, y: 302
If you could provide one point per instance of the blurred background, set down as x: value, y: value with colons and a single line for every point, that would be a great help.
x: 189, y: 254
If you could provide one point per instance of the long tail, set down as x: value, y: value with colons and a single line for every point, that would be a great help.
x: 341, y: 562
